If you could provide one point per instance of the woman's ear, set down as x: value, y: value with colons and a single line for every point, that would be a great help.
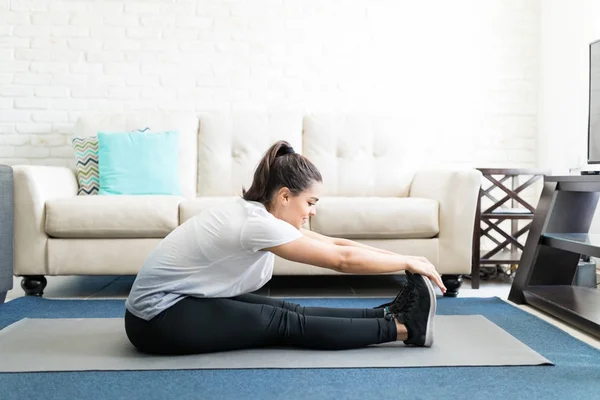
x: 285, y: 194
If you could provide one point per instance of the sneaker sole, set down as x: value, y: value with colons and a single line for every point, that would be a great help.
x: 432, y: 308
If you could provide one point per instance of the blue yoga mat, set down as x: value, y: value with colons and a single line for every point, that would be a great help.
x: 575, y: 374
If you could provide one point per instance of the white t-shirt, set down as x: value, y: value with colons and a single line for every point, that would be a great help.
x: 217, y: 253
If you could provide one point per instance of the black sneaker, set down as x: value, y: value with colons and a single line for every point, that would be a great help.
x: 419, y: 315
x: 398, y: 304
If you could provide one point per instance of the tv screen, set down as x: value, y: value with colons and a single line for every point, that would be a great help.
x: 594, y: 105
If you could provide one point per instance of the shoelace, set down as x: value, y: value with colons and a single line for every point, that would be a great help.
x: 401, y: 298
x: 410, y: 303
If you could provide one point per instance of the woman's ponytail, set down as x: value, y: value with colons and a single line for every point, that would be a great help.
x: 280, y: 167
x: 259, y: 189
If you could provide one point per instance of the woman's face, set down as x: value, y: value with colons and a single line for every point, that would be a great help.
x: 296, y: 210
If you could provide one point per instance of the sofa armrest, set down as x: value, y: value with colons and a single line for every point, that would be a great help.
x: 6, y: 230
x: 33, y: 186
x: 457, y: 191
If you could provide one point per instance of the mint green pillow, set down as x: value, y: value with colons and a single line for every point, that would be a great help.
x: 137, y: 163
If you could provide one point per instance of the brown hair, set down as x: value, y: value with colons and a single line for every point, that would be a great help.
x: 281, y: 167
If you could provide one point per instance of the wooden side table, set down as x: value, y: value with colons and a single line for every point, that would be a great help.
x: 512, y: 206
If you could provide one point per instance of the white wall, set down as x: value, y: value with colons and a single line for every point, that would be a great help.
x: 567, y: 28
x: 465, y: 71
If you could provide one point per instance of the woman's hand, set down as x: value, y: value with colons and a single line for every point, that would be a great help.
x: 422, y: 266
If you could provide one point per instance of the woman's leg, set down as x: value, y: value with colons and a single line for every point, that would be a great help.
x: 201, y: 325
x: 314, y: 311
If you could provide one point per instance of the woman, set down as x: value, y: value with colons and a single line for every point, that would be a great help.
x: 192, y: 294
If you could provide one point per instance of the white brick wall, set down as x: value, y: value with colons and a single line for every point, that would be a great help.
x: 466, y: 70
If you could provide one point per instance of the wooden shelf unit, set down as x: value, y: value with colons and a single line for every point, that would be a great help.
x: 511, y: 207
x: 558, y: 237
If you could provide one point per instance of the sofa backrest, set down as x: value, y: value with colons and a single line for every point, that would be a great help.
x: 362, y: 155
x: 230, y: 145
x: 185, y: 123
x: 358, y: 155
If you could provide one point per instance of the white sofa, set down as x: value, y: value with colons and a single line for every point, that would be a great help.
x: 374, y: 192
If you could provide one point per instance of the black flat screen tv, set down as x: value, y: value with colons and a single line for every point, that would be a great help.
x: 593, y: 155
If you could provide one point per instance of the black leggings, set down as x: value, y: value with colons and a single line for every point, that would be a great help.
x: 202, y: 325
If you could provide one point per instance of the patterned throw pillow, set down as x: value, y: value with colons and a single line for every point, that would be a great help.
x: 86, y: 167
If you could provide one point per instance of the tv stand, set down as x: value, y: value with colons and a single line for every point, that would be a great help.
x: 590, y: 169
x: 590, y: 172
x: 559, y: 235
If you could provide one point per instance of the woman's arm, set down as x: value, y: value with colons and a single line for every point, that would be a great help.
x: 353, y: 260
x: 341, y: 242
x: 317, y: 236
x: 351, y: 243
x: 346, y: 259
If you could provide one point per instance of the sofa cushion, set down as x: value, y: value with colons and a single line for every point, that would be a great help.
x: 156, y: 121
x: 376, y: 217
x: 230, y: 145
x: 365, y: 155
x: 112, y: 216
x: 98, y: 256
x: 190, y: 208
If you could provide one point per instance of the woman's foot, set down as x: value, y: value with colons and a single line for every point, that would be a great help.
x: 419, y: 311
x: 396, y: 306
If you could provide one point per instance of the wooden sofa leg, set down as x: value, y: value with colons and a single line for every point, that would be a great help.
x: 452, y: 283
x: 3, y: 297
x: 34, y: 285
